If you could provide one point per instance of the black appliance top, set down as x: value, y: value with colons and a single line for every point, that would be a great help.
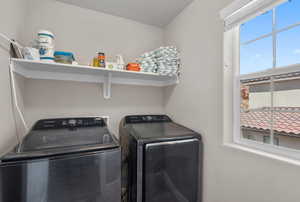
x: 156, y: 127
x: 136, y: 119
x: 52, y: 137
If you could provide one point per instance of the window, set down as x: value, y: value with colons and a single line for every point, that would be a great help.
x: 267, y: 140
x: 270, y: 101
x: 250, y: 137
x: 264, y: 52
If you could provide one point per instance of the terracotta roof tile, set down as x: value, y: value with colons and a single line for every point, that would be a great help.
x: 285, y: 119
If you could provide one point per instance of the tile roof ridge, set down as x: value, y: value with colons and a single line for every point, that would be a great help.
x: 277, y: 108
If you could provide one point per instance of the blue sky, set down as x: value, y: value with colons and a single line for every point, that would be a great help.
x: 258, y: 56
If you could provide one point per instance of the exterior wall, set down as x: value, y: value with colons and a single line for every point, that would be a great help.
x: 287, y: 98
x: 283, y: 140
x: 290, y: 142
x: 287, y: 94
x: 259, y: 100
x: 253, y: 135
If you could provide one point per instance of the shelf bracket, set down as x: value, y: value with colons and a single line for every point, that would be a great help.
x: 107, y: 86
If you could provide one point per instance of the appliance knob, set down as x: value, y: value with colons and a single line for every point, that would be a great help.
x: 72, y: 122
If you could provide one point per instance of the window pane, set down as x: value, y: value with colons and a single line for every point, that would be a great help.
x: 256, y: 56
x: 267, y: 139
x: 276, y: 140
x: 288, y: 47
x: 287, y: 111
x: 288, y: 14
x: 257, y: 27
x: 255, y: 113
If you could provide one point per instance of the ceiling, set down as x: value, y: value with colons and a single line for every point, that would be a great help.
x: 153, y: 12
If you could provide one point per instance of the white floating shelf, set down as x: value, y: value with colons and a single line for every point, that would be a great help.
x: 56, y: 71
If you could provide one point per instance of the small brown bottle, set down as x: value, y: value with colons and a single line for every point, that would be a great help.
x: 101, y: 60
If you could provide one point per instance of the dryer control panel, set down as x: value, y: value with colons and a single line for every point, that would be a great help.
x: 147, y: 119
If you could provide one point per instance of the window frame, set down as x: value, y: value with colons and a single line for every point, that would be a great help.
x: 231, y: 112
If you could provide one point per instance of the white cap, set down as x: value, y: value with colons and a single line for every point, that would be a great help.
x: 46, y: 32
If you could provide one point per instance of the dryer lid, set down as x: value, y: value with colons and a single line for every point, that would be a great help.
x: 160, y: 130
x: 156, y: 126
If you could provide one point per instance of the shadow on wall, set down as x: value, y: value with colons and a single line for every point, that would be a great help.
x: 53, y: 99
x: 4, y: 47
x: 168, y: 91
x: 168, y: 97
x: 8, y: 136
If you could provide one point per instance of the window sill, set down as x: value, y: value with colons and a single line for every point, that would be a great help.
x: 266, y: 154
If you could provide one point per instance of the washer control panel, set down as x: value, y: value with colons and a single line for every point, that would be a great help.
x: 69, y: 123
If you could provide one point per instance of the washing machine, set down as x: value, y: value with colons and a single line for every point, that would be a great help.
x: 63, y: 160
x: 161, y: 160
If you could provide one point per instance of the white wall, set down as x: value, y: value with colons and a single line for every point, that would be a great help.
x: 230, y: 175
x: 12, y: 12
x: 48, y: 99
x: 85, y: 32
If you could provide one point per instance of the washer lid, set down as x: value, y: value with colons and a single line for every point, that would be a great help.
x: 61, y: 136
